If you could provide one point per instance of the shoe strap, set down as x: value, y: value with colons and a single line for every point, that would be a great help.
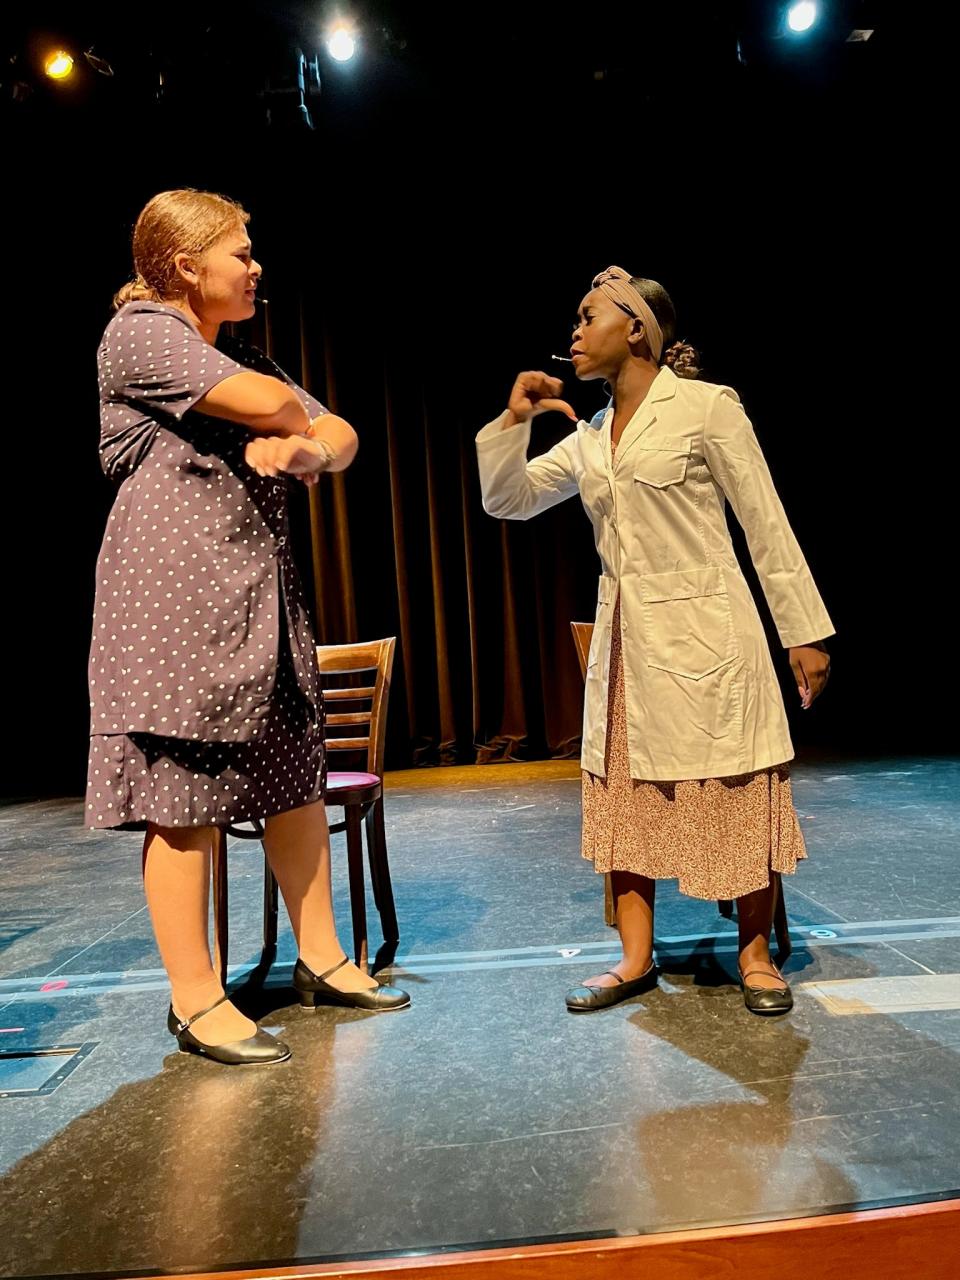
x: 330, y: 972
x: 188, y: 1022
x: 613, y: 974
x: 766, y: 973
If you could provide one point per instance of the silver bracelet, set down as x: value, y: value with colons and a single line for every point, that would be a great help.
x: 329, y: 453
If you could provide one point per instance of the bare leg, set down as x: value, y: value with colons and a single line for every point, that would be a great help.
x: 633, y: 898
x: 755, y: 919
x: 176, y: 879
x: 298, y: 849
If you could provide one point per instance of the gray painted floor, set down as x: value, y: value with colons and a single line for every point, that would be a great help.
x: 486, y: 1112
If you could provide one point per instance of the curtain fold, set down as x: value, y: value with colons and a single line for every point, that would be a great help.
x: 485, y: 669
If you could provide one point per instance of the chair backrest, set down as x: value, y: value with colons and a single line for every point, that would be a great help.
x: 582, y: 635
x: 342, y: 667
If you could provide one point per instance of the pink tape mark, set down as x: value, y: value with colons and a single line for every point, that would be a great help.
x: 55, y: 986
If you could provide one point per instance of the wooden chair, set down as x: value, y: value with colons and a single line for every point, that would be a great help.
x: 359, y: 792
x: 582, y: 636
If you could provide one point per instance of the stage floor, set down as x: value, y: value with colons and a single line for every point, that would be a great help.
x: 485, y: 1113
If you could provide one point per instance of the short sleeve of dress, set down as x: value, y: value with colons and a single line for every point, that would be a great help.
x: 153, y: 360
x: 253, y: 358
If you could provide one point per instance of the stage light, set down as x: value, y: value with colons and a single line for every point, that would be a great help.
x: 58, y: 65
x: 341, y: 43
x: 99, y: 64
x: 801, y: 17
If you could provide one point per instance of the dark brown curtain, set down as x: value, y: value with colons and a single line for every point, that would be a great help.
x: 399, y: 545
x: 429, y: 239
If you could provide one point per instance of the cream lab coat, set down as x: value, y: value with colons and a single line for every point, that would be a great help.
x: 702, y: 696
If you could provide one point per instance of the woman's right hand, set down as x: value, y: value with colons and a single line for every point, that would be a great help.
x: 290, y: 455
x: 534, y: 393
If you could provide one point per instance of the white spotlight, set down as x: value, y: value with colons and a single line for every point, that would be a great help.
x: 801, y: 17
x: 341, y: 44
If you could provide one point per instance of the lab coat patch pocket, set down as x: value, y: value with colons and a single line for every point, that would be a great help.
x: 662, y: 466
x: 687, y: 622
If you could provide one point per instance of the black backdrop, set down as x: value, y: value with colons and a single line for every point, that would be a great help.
x: 432, y: 236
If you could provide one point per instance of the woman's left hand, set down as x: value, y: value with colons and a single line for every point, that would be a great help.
x: 338, y: 434
x: 811, y: 670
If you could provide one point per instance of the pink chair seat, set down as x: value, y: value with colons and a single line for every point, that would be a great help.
x: 344, y: 781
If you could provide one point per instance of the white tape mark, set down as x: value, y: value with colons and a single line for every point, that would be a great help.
x: 922, y: 993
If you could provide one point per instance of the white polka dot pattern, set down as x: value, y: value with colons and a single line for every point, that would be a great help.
x: 197, y: 594
x: 138, y: 778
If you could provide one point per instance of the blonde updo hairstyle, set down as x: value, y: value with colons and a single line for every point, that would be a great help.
x: 183, y: 221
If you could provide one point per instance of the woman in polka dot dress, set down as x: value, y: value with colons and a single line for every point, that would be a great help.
x: 205, y: 699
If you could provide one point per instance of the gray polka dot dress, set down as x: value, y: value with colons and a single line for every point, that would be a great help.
x: 204, y: 694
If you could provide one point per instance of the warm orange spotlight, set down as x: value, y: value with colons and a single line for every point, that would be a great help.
x: 58, y: 65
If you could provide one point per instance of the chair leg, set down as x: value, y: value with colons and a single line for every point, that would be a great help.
x: 781, y: 926
x: 380, y: 872
x: 358, y: 903
x: 221, y: 925
x: 270, y: 913
x: 609, y: 906
x: 725, y: 907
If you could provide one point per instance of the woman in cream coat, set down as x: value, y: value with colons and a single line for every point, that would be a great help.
x: 685, y: 739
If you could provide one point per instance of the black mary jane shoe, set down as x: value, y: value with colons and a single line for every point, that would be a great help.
x: 257, y: 1050
x: 314, y: 989
x: 587, y: 999
x: 767, y: 1001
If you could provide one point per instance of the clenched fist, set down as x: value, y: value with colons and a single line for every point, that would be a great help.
x: 534, y: 393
